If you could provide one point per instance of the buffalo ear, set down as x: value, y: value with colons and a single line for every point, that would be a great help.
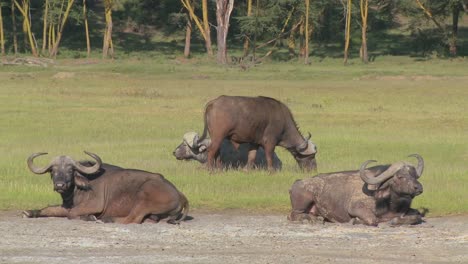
x: 382, y: 193
x: 202, y: 148
x: 82, y: 182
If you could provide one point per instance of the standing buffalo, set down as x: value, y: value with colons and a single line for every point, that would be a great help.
x: 260, y: 121
x: 229, y: 156
x: 93, y: 190
x: 379, y: 194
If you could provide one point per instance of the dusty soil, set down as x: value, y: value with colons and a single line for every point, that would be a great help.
x: 229, y: 237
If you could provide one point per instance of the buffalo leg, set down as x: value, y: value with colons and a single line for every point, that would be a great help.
x: 269, y: 150
x: 252, y: 154
x: 406, y: 220
x: 213, y: 153
x: 412, y: 217
x: 85, y: 211
x: 364, y: 214
x: 50, y: 211
x: 301, y: 202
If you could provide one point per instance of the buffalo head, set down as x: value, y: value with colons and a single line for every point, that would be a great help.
x: 305, y: 154
x: 401, y: 178
x: 65, y: 171
x: 191, y: 148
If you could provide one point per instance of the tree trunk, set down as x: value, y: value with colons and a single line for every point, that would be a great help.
x: 44, y: 29
x: 24, y: 10
x: 13, y: 22
x: 2, y: 35
x: 246, y: 41
x: 50, y: 38
x: 364, y: 11
x: 453, y: 41
x: 292, y: 43
x: 88, y: 42
x: 306, y: 32
x: 347, y: 31
x: 206, y: 26
x: 188, y: 37
x: 61, y: 26
x: 108, y: 49
x: 223, y: 14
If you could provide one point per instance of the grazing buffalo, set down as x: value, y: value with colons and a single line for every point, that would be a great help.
x: 368, y: 196
x: 230, y: 157
x: 260, y: 121
x: 93, y: 190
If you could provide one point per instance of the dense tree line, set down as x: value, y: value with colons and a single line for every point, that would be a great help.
x: 259, y: 27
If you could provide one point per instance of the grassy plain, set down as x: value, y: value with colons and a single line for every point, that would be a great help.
x: 133, y: 113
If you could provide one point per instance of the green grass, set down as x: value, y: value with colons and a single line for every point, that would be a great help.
x: 133, y: 113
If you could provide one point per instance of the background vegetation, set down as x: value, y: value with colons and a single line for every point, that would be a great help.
x: 134, y: 112
x: 264, y: 29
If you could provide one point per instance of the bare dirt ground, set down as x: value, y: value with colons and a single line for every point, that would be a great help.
x: 229, y: 237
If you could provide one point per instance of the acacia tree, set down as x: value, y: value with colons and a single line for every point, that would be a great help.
x: 223, y: 15
x: 364, y: 12
x: 347, y: 30
x: 203, y: 25
x: 13, y: 25
x: 85, y: 19
x: 108, y: 48
x: 188, y: 36
x: 440, y: 10
x: 246, y: 41
x: 2, y: 35
x: 24, y: 10
x: 60, y: 27
x: 306, y: 32
x: 45, y: 25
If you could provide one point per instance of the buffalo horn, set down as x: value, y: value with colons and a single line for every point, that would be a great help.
x: 36, y: 169
x: 420, y: 168
x: 387, y: 174
x: 89, y: 170
x: 191, y: 139
x: 304, y: 145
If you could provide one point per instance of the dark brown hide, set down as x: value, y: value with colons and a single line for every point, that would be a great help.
x: 114, y: 194
x: 260, y: 121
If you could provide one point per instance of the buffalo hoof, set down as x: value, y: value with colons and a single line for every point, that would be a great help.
x: 30, y: 213
x: 299, y: 218
x: 355, y: 221
x: 406, y: 220
x: 317, y: 220
x: 90, y: 218
x: 173, y: 222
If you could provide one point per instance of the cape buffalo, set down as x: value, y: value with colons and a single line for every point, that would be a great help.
x: 229, y: 156
x: 379, y: 194
x: 260, y: 121
x: 93, y: 190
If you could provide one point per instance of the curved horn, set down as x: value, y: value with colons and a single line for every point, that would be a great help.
x: 89, y: 170
x: 420, y: 168
x: 387, y: 174
x: 34, y: 168
x: 191, y: 139
x: 304, y: 145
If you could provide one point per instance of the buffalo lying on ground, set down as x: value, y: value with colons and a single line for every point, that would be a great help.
x: 369, y: 196
x: 93, y: 190
x: 260, y: 121
x: 230, y: 157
